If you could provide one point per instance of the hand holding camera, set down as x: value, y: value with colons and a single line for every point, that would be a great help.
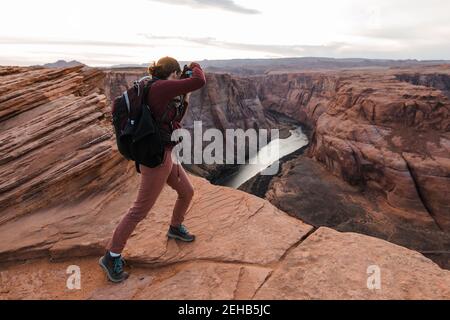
x: 187, y: 70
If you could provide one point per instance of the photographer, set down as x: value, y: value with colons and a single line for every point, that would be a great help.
x: 168, y: 100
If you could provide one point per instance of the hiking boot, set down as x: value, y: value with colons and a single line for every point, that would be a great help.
x: 180, y: 233
x: 113, y: 267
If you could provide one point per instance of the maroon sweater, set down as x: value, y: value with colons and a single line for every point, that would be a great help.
x: 163, y: 91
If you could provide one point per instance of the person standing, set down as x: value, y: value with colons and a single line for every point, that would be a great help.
x: 167, y: 86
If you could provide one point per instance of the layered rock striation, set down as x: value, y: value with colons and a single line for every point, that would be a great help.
x: 384, y: 131
x: 55, y: 139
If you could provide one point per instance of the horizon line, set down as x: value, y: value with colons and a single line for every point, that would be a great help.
x: 239, y: 59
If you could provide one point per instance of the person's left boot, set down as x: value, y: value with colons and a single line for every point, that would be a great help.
x: 113, y: 267
x: 180, y: 233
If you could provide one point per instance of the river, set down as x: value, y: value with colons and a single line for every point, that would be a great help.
x: 295, y: 141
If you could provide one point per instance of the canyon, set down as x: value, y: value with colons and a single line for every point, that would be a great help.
x: 379, y: 151
x: 386, y: 134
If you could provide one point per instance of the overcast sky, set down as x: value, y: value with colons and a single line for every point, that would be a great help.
x: 105, y: 32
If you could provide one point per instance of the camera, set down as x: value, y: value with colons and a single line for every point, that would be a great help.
x: 187, y: 72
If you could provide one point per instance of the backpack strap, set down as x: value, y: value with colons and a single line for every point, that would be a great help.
x: 145, y: 92
x: 171, y: 106
x: 146, y: 89
x: 136, y: 164
x: 127, y: 100
x: 147, y: 86
x: 165, y: 114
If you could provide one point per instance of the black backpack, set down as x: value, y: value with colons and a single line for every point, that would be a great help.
x: 137, y: 131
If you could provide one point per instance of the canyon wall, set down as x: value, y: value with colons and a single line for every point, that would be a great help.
x: 376, y: 132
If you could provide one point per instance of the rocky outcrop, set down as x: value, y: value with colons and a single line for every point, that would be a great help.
x: 376, y: 132
x: 440, y: 81
x: 334, y: 260
x: 66, y: 187
x: 319, y: 264
x: 55, y: 140
x: 300, y: 262
x: 82, y: 228
x: 63, y: 64
x: 305, y: 189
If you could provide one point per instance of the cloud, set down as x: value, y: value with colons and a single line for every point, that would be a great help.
x: 32, y: 51
x: 36, y: 41
x: 431, y: 50
x: 271, y: 49
x: 400, y: 20
x: 393, y: 33
x: 227, y: 5
x: 405, y: 33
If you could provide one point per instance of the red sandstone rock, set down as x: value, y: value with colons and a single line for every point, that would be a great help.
x: 377, y: 130
x: 65, y: 187
x: 338, y: 264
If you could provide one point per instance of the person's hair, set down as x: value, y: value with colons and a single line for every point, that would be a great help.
x: 164, y: 67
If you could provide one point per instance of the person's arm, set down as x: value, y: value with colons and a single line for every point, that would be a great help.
x: 172, y: 88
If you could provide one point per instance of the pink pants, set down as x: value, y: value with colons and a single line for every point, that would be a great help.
x: 151, y: 185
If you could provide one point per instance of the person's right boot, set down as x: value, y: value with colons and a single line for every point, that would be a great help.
x: 113, y: 267
x: 180, y: 233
